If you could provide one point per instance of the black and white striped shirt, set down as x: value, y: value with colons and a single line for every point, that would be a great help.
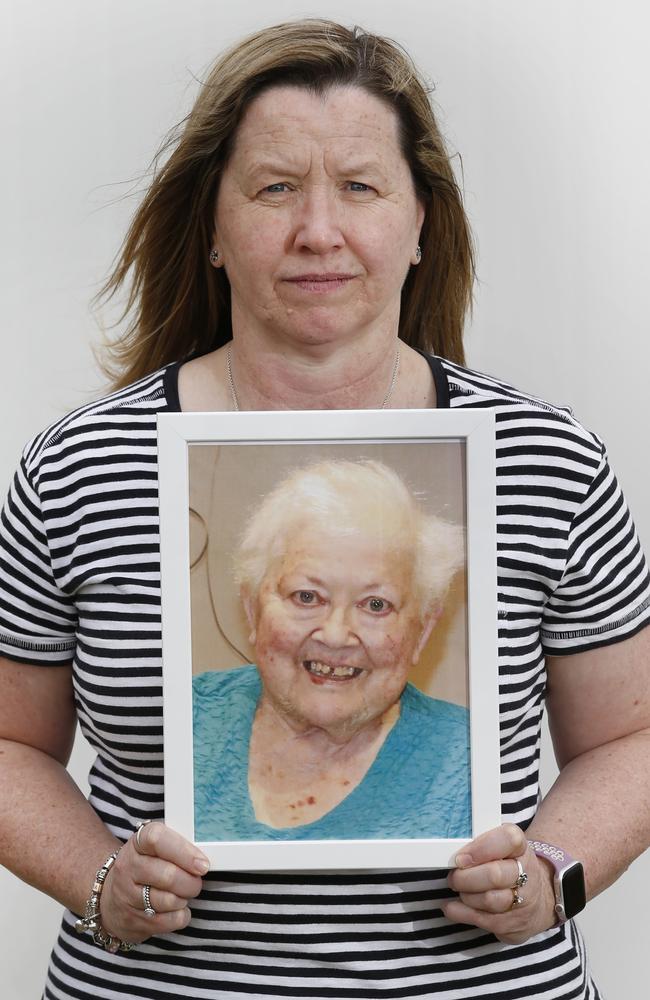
x: 80, y: 578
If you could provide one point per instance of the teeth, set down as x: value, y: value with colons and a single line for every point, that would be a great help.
x: 325, y: 670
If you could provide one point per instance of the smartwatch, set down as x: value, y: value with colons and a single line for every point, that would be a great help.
x: 568, y: 880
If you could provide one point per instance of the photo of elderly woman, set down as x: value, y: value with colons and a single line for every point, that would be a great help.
x: 341, y: 576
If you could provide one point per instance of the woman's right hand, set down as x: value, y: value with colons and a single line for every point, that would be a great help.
x: 170, y: 865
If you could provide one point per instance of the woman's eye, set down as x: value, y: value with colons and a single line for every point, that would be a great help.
x: 278, y: 188
x: 359, y: 186
x: 377, y: 605
x: 306, y: 598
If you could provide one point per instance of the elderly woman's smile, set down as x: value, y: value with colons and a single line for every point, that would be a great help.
x: 323, y: 672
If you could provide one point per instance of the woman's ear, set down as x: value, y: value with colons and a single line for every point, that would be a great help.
x: 427, y: 625
x: 251, y: 617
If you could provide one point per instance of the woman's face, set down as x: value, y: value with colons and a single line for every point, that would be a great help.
x: 317, y: 220
x: 336, y: 628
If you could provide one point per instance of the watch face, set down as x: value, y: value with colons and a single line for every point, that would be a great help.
x: 573, y: 889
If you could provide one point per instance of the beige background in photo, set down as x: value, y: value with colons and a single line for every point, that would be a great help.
x: 228, y: 481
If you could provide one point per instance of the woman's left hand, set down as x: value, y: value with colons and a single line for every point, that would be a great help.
x: 485, y: 878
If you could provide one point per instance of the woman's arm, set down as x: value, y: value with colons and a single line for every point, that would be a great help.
x: 599, y: 807
x: 49, y: 834
x: 599, y: 717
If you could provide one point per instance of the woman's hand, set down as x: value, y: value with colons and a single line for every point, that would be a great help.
x: 485, y: 877
x: 170, y: 865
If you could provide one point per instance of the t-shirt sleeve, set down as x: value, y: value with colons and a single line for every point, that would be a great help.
x: 37, y: 619
x: 604, y: 594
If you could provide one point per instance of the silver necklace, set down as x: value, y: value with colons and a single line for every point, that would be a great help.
x: 235, y: 400
x: 231, y: 381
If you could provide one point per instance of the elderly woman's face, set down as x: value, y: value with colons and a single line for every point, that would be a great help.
x: 317, y: 220
x: 336, y: 629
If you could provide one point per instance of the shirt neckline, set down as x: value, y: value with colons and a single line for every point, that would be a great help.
x: 170, y: 383
x: 346, y: 810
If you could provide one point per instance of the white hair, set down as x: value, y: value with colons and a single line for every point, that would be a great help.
x: 341, y: 495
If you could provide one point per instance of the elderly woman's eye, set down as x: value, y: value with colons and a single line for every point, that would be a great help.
x: 278, y: 188
x: 378, y: 605
x: 305, y: 597
x: 359, y: 186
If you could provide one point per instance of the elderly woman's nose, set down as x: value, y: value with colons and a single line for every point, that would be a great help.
x: 318, y: 223
x: 334, y: 629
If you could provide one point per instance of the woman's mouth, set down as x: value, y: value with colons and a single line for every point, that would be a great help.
x: 320, y: 283
x: 320, y: 671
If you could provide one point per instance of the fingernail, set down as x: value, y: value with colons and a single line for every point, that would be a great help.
x: 201, y: 866
x: 463, y: 860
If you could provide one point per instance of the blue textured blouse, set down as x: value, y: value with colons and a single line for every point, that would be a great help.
x: 417, y: 786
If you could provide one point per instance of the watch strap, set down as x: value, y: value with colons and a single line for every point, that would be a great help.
x: 558, y: 857
x: 568, y: 879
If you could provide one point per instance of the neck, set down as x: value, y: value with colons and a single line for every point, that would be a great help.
x: 357, y: 375
x: 280, y: 731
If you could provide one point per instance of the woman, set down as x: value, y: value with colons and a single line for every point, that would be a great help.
x: 342, y: 577
x: 310, y: 212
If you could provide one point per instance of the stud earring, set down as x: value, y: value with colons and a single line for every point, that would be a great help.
x: 418, y: 254
x: 214, y: 255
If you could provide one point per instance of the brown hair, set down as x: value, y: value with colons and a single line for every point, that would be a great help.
x: 177, y: 303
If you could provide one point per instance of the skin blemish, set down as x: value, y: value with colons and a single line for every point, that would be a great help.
x: 292, y: 805
x: 300, y: 802
x: 311, y: 801
x: 346, y: 782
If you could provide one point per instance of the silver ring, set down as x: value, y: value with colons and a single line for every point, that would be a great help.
x: 522, y: 877
x: 146, y: 899
x: 517, y: 899
x: 138, y: 829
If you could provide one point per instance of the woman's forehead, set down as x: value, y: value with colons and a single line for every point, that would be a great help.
x: 333, y: 543
x: 284, y: 116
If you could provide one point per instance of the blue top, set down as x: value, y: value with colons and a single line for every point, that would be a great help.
x: 417, y: 786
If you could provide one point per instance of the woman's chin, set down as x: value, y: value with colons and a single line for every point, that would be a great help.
x: 320, y: 325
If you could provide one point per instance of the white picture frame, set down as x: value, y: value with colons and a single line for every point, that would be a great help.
x: 181, y: 435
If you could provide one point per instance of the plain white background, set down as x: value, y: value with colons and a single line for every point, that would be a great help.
x: 547, y: 102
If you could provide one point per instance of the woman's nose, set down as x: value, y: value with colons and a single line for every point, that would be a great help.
x: 334, y: 630
x: 318, y: 224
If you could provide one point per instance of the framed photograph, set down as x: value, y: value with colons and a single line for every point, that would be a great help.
x: 329, y: 635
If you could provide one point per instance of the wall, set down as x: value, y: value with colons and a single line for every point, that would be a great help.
x: 546, y: 101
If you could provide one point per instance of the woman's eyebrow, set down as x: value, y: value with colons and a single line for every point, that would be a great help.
x: 361, y: 167
x: 308, y: 578
x: 290, y: 167
x: 272, y: 165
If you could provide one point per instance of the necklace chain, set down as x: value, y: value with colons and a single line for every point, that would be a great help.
x: 235, y: 400
x: 231, y: 381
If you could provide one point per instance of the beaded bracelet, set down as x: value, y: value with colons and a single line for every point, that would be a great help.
x: 91, y: 920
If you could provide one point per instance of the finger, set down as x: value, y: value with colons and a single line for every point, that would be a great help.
x: 500, y: 874
x: 158, y: 840
x: 165, y: 876
x: 161, y: 902
x: 506, y: 841
x: 166, y: 923
x: 137, y: 927
x: 507, y: 927
x: 494, y: 901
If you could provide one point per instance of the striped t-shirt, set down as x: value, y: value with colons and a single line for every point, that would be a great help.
x: 80, y: 579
